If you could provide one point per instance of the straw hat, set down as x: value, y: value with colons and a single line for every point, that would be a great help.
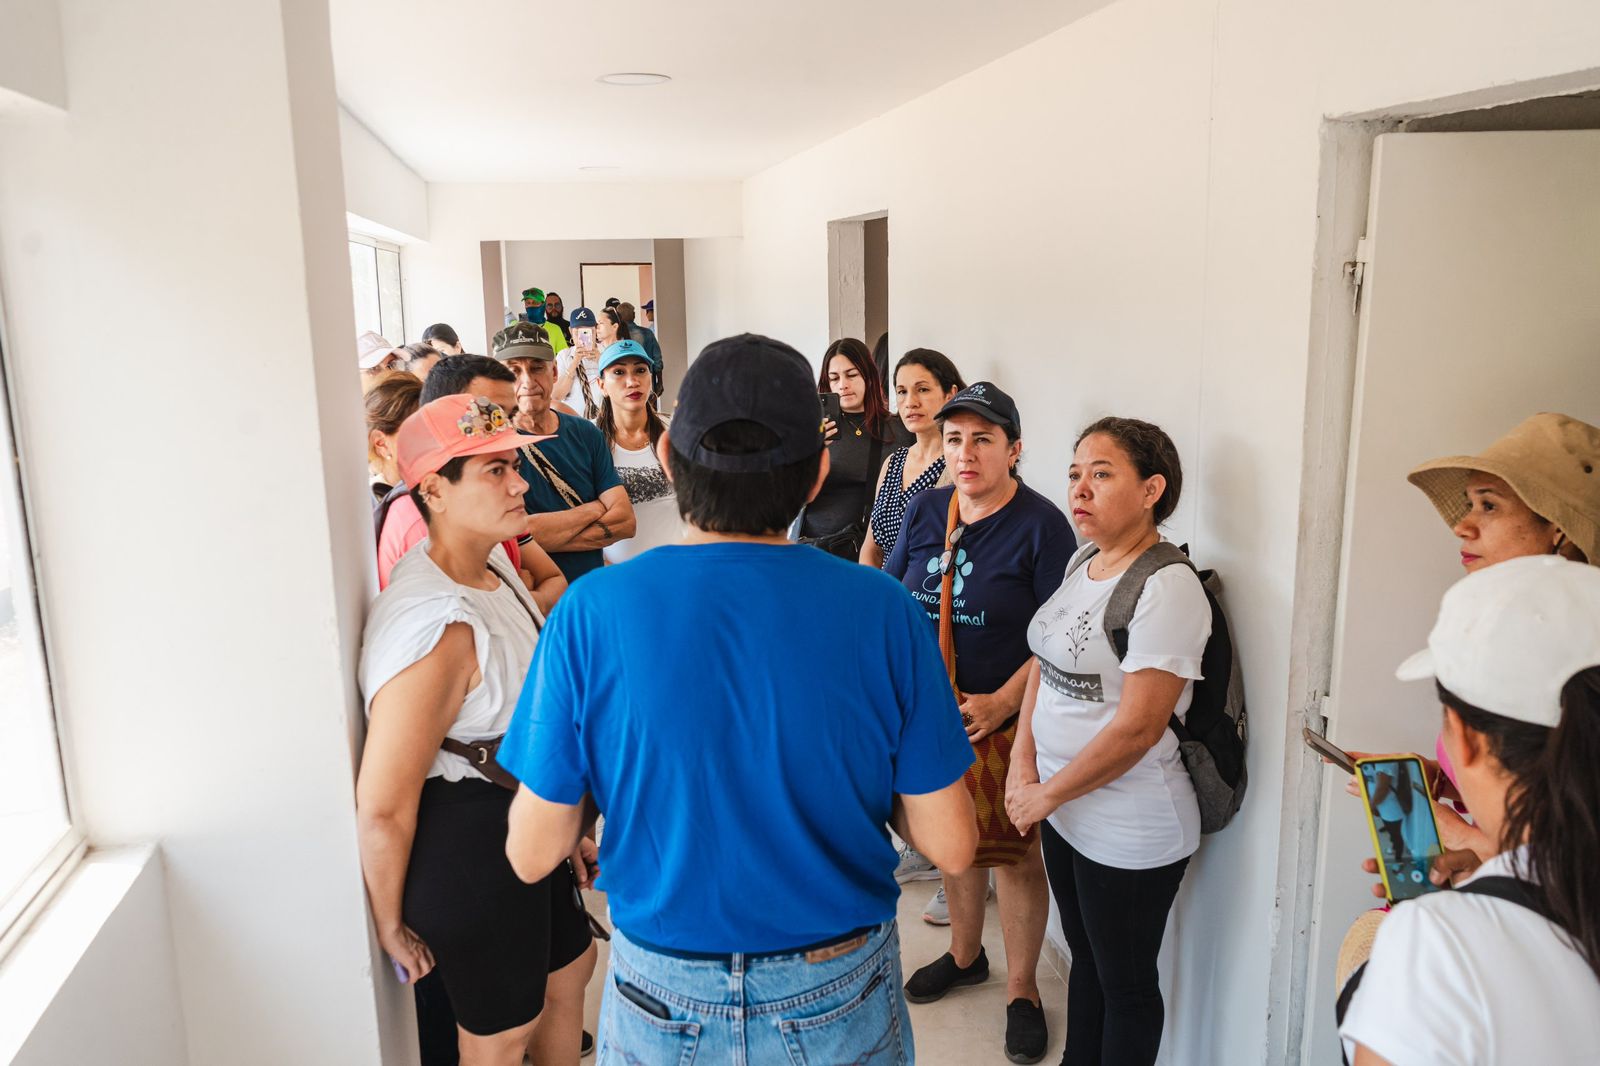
x: 1550, y: 460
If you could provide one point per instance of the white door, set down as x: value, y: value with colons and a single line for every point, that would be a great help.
x: 1480, y: 306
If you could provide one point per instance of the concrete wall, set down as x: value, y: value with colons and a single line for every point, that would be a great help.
x: 204, y: 574
x: 31, y: 69
x: 444, y: 277
x: 1158, y: 218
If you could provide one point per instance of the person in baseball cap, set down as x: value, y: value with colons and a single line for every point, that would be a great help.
x: 443, y: 656
x: 533, y: 312
x: 376, y: 356
x: 985, y: 398
x: 1510, y: 960
x: 752, y: 715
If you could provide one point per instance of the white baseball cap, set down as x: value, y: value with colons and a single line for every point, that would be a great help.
x: 372, y: 349
x: 1510, y: 636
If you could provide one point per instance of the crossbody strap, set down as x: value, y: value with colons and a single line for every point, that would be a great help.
x: 947, y: 580
x: 870, y: 485
x: 1511, y: 889
x: 547, y: 470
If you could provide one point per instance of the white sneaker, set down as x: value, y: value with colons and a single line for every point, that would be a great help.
x: 937, y: 912
x: 913, y: 867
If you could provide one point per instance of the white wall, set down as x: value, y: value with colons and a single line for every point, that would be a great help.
x: 31, y: 68
x: 444, y: 277
x: 1152, y: 201
x: 553, y: 265
x: 102, y: 962
x: 385, y: 196
x: 202, y: 523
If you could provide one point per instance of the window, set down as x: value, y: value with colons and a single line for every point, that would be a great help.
x: 35, y: 832
x: 375, y: 280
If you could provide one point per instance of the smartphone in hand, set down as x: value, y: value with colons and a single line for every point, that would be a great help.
x: 1328, y: 750
x: 830, y: 405
x: 1400, y: 815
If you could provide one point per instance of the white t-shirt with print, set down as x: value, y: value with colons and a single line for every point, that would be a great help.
x: 409, y: 617
x: 591, y: 369
x: 1457, y: 979
x: 655, y: 505
x: 1148, y: 817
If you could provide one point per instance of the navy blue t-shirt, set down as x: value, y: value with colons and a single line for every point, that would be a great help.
x: 1007, y: 565
x: 579, y: 452
x: 743, y: 741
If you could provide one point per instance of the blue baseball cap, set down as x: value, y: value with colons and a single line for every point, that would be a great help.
x: 619, y: 350
x: 984, y: 398
x: 581, y: 318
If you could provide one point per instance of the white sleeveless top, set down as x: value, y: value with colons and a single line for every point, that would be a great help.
x: 409, y: 617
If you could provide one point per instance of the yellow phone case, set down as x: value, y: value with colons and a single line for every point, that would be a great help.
x: 1372, y: 819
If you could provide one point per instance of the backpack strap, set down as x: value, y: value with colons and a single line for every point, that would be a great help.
x: 380, y: 511
x: 1511, y: 889
x: 1081, y: 557
x: 1130, y: 586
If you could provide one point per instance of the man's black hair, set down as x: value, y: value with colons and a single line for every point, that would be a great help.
x: 746, y: 503
x: 453, y: 373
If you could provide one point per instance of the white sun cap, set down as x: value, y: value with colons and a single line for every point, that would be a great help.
x: 1510, y: 636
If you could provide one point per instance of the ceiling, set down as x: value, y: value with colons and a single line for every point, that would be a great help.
x: 499, y: 90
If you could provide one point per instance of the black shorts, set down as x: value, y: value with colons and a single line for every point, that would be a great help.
x: 494, y: 939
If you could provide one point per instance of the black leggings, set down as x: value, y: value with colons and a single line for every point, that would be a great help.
x: 1113, y: 920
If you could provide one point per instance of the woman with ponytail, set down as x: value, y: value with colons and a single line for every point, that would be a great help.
x: 1505, y: 968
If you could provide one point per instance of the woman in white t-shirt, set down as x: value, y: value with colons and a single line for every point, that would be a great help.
x: 1095, y: 765
x: 578, y: 367
x: 1506, y: 968
x: 632, y: 429
x: 443, y: 660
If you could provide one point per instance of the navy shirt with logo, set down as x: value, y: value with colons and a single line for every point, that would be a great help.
x: 1006, y: 565
x: 579, y: 452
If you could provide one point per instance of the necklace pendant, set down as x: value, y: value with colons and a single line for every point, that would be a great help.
x: 858, y: 433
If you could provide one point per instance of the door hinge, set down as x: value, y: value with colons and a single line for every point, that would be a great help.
x: 1355, y: 271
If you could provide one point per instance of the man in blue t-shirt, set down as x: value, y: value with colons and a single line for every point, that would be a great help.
x: 576, y: 503
x: 715, y: 700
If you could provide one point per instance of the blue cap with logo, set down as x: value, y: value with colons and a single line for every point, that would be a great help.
x: 581, y: 318
x: 984, y: 398
x: 618, y: 350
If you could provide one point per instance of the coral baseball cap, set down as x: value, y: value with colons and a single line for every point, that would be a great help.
x: 1510, y: 636
x: 451, y: 427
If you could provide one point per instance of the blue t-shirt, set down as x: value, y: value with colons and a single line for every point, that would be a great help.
x: 743, y: 715
x: 1007, y: 565
x: 579, y: 452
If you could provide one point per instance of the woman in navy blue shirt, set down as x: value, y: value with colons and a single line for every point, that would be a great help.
x: 1010, y: 557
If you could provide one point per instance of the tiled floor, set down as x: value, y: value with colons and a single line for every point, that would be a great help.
x: 967, y: 1027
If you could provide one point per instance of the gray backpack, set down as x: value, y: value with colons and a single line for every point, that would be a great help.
x: 1212, y: 742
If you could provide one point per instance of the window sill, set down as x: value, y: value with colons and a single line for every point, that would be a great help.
x: 48, y: 949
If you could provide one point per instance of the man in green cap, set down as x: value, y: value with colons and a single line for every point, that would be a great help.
x: 534, y: 311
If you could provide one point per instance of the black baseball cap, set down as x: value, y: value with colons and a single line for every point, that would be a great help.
x: 754, y: 379
x: 984, y: 398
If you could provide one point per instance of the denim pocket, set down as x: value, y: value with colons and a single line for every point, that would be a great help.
x: 864, y: 1030
x: 632, y: 1036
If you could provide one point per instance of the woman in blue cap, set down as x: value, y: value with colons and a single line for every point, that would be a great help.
x: 632, y: 429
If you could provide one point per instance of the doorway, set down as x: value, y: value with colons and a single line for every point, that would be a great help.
x: 631, y: 283
x: 1452, y: 273
x: 858, y: 278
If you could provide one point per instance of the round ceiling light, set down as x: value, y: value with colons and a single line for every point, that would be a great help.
x: 601, y: 166
x: 633, y: 78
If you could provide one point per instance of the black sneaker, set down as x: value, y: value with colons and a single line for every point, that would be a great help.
x: 586, y: 1046
x: 1026, y: 1033
x: 942, y: 974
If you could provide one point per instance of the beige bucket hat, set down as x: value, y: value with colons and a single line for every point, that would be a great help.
x: 1552, y: 461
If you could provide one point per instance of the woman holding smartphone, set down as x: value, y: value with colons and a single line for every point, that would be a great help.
x: 443, y: 659
x: 1509, y: 962
x: 1096, y: 766
x: 578, y: 369
x: 858, y: 439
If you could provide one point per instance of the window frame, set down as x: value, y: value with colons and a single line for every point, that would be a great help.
x: 21, y: 903
x: 378, y: 245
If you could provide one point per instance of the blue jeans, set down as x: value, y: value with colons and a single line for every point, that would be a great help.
x: 761, y: 1011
